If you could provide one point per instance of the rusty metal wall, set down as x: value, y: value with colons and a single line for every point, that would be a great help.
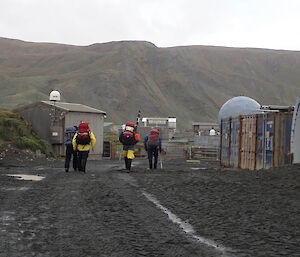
x: 225, y: 142
x: 282, y: 135
x: 234, y: 142
x: 258, y: 141
x: 248, y: 141
x: 295, y: 133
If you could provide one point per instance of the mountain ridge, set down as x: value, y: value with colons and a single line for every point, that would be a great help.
x: 121, y: 77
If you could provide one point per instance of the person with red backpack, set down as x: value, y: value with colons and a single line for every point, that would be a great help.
x: 81, y: 142
x: 129, y: 138
x: 152, y: 143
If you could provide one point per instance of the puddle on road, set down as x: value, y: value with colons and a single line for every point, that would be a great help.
x: 201, y: 168
x: 26, y: 177
x: 14, y: 188
x: 6, y: 218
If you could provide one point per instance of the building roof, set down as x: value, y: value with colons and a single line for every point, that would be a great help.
x: 73, y: 107
x: 69, y: 107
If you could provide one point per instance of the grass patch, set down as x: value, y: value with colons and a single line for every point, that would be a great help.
x: 17, y: 131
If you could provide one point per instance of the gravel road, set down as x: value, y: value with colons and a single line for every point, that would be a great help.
x: 185, y: 209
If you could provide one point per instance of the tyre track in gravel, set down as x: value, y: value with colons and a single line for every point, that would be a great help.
x: 101, y: 213
x: 253, y: 212
x: 139, y: 228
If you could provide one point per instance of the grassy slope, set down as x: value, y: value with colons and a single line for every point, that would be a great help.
x: 190, y: 83
x: 16, y: 131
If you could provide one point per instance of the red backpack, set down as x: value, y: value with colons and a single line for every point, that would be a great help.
x: 83, y: 134
x: 128, y: 136
x: 153, y: 139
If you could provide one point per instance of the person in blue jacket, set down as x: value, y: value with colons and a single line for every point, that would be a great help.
x: 152, y: 144
x: 69, y: 134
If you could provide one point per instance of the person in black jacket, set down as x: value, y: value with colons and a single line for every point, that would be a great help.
x: 128, y: 138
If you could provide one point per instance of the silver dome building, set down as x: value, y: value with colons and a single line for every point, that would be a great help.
x: 240, y: 105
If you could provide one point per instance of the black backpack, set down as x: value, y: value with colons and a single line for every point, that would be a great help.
x: 69, y: 134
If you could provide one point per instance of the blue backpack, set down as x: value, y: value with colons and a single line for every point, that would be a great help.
x: 69, y: 134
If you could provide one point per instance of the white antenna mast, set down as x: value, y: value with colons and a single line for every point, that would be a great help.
x: 54, y: 96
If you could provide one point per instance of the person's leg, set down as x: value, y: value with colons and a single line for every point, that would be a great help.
x: 130, y: 156
x: 75, y: 160
x: 68, y: 157
x: 129, y: 164
x: 85, y: 155
x: 155, y: 152
x: 150, y: 157
x: 125, y: 158
x: 80, y: 160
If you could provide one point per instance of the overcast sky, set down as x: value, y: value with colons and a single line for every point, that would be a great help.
x: 273, y: 24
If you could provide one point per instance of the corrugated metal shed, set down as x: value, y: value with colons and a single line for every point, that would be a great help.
x: 49, y: 119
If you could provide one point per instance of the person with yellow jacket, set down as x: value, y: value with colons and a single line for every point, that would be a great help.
x: 81, y: 143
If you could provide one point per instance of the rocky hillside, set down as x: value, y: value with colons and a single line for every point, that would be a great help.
x: 190, y: 82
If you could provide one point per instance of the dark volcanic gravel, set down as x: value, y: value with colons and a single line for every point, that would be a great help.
x: 185, y: 209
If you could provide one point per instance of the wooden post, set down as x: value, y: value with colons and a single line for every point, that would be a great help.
x: 113, y: 140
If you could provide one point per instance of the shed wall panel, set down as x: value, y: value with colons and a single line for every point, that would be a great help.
x: 234, y: 142
x: 282, y: 134
x: 265, y: 144
x: 39, y: 118
x: 260, y: 142
x: 248, y: 142
x: 225, y: 142
x: 269, y: 136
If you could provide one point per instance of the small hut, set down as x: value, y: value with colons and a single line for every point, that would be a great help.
x: 50, y: 118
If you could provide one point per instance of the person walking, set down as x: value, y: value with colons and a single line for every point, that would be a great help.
x: 81, y: 142
x: 212, y: 132
x: 152, y: 143
x: 129, y: 138
x: 69, y: 134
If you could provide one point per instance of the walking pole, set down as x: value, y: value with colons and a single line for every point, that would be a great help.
x: 161, y: 163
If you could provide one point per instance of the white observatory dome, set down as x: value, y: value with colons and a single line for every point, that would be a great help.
x: 240, y: 105
x: 54, y: 96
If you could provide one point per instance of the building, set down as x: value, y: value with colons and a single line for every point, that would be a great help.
x: 257, y: 141
x: 50, y: 118
x: 166, y: 126
x: 204, y: 128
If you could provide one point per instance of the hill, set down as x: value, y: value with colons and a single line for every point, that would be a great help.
x: 189, y: 82
x: 18, y: 141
